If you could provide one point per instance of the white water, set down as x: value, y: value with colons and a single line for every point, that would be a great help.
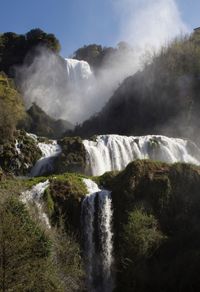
x: 114, y: 152
x: 45, y: 163
x: 79, y: 90
x: 17, y: 147
x: 97, y: 234
x: 78, y: 71
x: 34, y: 196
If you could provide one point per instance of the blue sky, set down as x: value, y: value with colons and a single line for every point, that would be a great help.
x: 77, y: 22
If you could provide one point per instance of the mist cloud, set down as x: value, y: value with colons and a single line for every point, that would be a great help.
x: 149, y: 23
x: 146, y: 24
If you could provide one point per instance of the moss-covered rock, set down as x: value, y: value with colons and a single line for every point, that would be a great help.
x: 49, y: 260
x: 64, y: 200
x: 19, y: 154
x: 73, y: 156
x: 106, y: 180
x: 156, y: 223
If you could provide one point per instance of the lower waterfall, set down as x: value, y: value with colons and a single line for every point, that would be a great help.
x: 45, y: 163
x: 114, y: 152
x: 33, y: 196
x: 96, y: 221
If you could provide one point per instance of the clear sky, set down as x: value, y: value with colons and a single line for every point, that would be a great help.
x: 77, y: 22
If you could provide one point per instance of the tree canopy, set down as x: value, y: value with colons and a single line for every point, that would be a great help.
x: 14, y: 47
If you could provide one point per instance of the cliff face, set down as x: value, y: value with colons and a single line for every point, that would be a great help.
x: 156, y: 219
x: 155, y: 223
x: 162, y: 98
x: 41, y: 124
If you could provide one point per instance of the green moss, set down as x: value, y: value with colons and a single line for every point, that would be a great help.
x: 67, y: 192
x: 105, y: 180
x: 49, y: 202
x: 19, y: 163
x: 73, y: 156
x: 156, y: 219
x: 42, y: 255
x: 141, y: 234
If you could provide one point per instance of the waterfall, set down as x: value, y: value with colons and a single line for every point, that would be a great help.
x: 49, y: 152
x: 80, y: 87
x: 114, y: 152
x: 34, y: 196
x: 96, y: 221
x: 78, y: 71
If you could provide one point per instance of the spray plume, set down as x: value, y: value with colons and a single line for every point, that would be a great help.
x: 145, y: 24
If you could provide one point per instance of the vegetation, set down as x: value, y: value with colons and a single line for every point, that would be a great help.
x: 14, y: 47
x: 66, y: 192
x: 73, y: 156
x: 156, y: 205
x: 165, y: 92
x: 19, y: 154
x: 98, y: 56
x: 156, y: 219
x: 11, y: 108
x: 24, y: 252
x: 39, y: 123
x: 31, y: 257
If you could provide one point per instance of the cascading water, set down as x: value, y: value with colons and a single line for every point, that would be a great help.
x: 78, y: 71
x: 49, y: 152
x: 79, y: 90
x: 34, y: 196
x: 96, y: 221
x: 114, y: 152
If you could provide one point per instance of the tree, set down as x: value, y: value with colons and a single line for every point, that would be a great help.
x: 14, y: 47
x: 37, y: 37
x: 91, y: 54
x: 11, y: 108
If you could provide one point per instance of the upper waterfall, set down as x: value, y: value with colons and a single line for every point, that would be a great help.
x: 114, y: 152
x: 78, y: 71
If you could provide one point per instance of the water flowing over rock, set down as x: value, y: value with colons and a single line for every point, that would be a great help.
x: 114, y: 152
x: 80, y: 88
x: 45, y: 163
x: 78, y: 71
x: 96, y: 221
x: 34, y: 196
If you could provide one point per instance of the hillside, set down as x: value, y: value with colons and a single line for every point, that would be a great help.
x: 163, y: 98
x: 39, y: 123
x: 156, y: 233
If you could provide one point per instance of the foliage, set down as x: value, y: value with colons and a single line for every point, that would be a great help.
x: 38, y: 259
x: 24, y: 251
x: 157, y: 235
x: 73, y: 156
x: 14, y: 47
x: 11, y: 108
x: 165, y: 92
x: 19, y: 153
x: 91, y: 54
x: 67, y: 257
x: 38, y: 122
x: 141, y: 235
x: 98, y: 56
x: 67, y: 191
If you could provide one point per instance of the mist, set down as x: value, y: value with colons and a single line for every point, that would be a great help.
x: 146, y: 25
